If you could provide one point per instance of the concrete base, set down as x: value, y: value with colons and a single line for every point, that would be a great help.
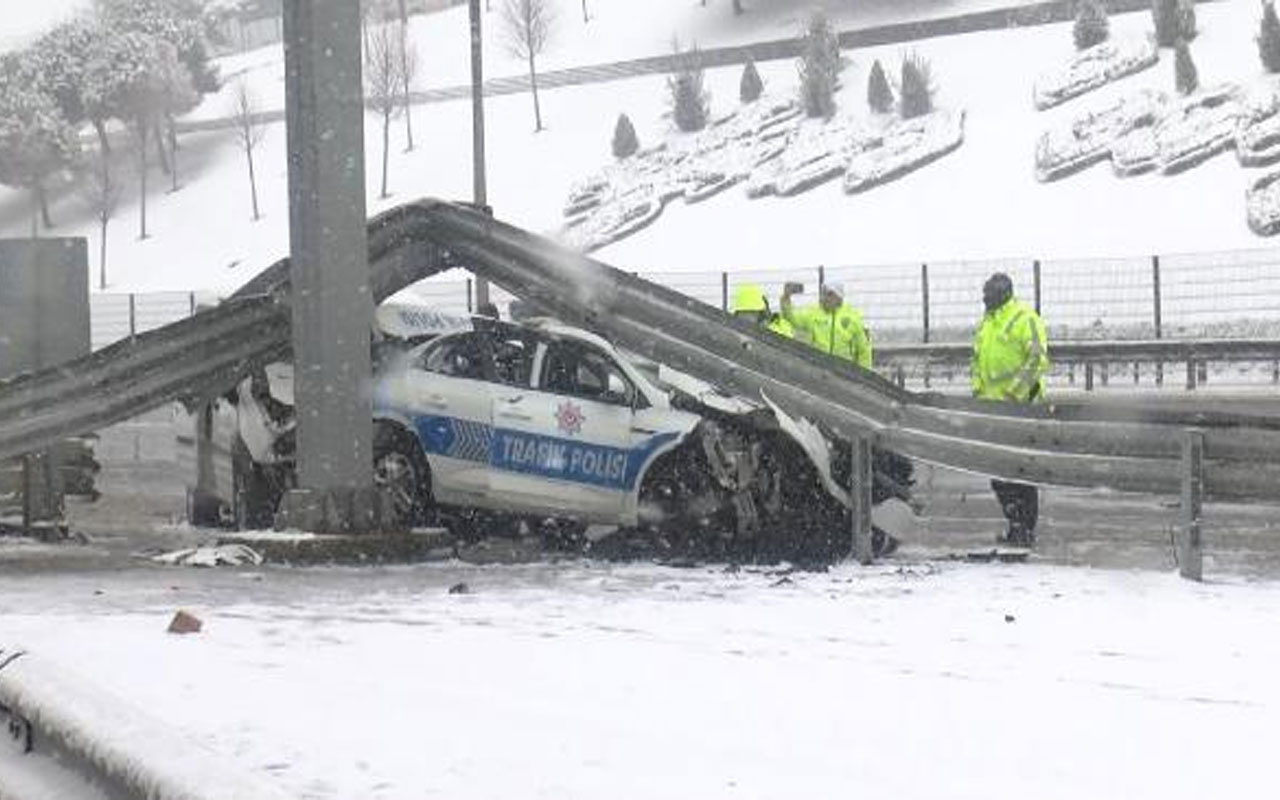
x: 338, y: 511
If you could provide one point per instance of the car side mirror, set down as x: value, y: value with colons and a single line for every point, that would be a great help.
x: 617, y: 387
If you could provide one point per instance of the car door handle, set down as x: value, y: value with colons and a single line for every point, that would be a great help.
x: 512, y: 400
x: 511, y: 415
x: 643, y: 431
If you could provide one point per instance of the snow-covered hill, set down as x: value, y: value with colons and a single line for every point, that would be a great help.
x: 981, y: 201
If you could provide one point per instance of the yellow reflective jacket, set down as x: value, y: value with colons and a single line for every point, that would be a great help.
x: 1010, y: 354
x: 779, y: 325
x: 839, y: 333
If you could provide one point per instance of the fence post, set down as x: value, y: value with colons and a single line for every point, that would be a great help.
x: 1035, y: 277
x: 924, y: 297
x: 822, y: 279
x: 724, y: 291
x: 191, y: 303
x: 1088, y: 376
x: 133, y: 316
x: 1157, y: 312
x: 469, y: 297
x: 860, y: 498
x: 1191, y: 372
x: 1190, y: 546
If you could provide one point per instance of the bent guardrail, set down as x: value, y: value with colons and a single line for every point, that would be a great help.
x: 1067, y: 444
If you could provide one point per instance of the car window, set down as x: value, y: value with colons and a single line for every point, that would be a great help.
x: 461, y: 356
x: 573, y: 369
x: 513, y: 359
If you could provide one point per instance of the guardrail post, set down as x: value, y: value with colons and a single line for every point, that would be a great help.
x: 1157, y: 312
x: 924, y: 297
x: 860, y: 498
x: 1190, y: 545
x: 1202, y: 371
x: 822, y: 279
x: 1191, y: 373
x: 470, y: 298
x: 191, y: 304
x: 1088, y: 376
x: 724, y: 291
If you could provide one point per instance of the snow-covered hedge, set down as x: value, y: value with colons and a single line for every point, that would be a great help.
x: 1093, y: 67
x: 1089, y: 138
x: 769, y: 146
x: 1262, y: 202
x: 1197, y: 128
x: 1258, y: 129
x: 905, y: 146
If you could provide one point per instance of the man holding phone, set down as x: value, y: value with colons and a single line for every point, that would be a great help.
x: 831, y: 325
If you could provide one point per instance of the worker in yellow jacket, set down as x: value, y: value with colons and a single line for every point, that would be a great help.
x: 1010, y: 360
x: 749, y: 302
x: 832, y: 325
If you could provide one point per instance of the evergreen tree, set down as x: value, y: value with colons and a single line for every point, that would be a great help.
x: 917, y: 86
x: 625, y: 142
x: 1269, y: 37
x: 819, y: 67
x: 879, y: 92
x: 690, y: 102
x: 1184, y: 69
x: 1092, y: 26
x: 750, y: 86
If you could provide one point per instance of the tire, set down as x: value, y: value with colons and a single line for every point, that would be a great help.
x: 400, y: 469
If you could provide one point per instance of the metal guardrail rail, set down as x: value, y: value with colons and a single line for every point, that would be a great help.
x: 1069, y: 444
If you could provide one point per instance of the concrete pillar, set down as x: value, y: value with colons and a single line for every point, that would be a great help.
x: 860, y: 499
x: 1190, y: 546
x: 332, y: 306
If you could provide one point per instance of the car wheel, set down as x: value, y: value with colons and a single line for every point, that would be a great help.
x: 401, y: 472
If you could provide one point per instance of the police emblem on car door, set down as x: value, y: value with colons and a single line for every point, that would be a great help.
x: 565, y: 444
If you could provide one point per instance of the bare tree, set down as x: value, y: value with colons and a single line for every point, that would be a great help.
x: 585, y: 17
x: 382, y: 60
x: 101, y: 192
x: 408, y: 71
x: 249, y: 132
x: 528, y: 24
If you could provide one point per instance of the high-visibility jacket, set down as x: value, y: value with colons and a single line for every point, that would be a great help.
x: 1010, y: 354
x: 839, y: 333
x: 779, y: 325
x: 750, y: 297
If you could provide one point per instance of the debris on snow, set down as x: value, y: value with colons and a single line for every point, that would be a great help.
x: 1094, y: 67
x: 184, y: 622
x: 222, y: 555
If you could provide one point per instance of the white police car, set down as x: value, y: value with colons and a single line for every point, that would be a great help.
x: 479, y: 419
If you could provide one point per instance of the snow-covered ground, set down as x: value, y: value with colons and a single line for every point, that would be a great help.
x: 982, y: 201
x: 566, y: 681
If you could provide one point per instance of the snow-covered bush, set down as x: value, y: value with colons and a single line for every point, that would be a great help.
x: 1094, y: 67
x: 1184, y: 69
x: 1262, y: 203
x: 917, y: 86
x: 750, y: 86
x: 1269, y: 37
x: 690, y: 102
x: 624, y: 137
x: 879, y: 93
x: 1092, y: 26
x: 819, y: 68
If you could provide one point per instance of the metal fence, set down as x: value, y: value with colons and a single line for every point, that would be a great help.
x: 1233, y: 294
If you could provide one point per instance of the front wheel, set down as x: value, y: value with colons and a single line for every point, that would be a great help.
x: 400, y: 471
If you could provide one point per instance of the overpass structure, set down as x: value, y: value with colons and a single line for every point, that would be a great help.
x: 1192, y: 450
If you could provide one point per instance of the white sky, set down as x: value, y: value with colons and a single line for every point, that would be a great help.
x: 23, y: 19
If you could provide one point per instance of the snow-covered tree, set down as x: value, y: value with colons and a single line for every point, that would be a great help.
x: 101, y: 191
x: 382, y: 82
x: 1184, y: 69
x: 35, y: 139
x: 879, y: 92
x: 249, y: 132
x: 181, y: 23
x: 528, y: 25
x: 819, y: 67
x: 917, y: 86
x: 750, y: 86
x: 1091, y: 26
x: 625, y: 141
x: 58, y: 60
x: 690, y: 102
x: 1269, y: 37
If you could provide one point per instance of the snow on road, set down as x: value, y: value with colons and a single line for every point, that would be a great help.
x: 565, y: 681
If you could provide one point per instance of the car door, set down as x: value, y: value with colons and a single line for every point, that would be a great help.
x: 443, y: 395
x: 563, y: 445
